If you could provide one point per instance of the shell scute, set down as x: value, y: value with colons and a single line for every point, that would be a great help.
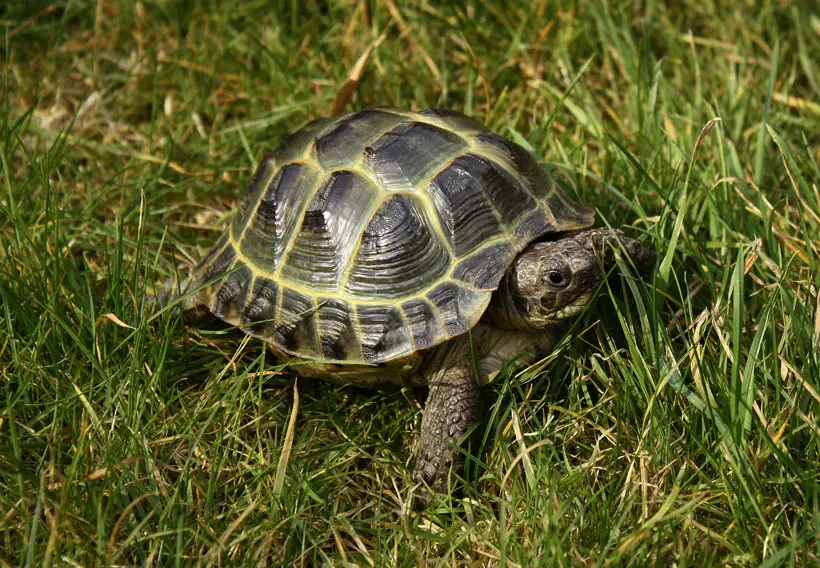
x: 295, y: 325
x: 232, y: 293
x: 210, y: 273
x: 423, y: 322
x: 337, y: 332
x: 452, y: 120
x: 456, y: 305
x: 410, y: 153
x: 485, y: 267
x: 515, y: 159
x: 259, y: 315
x: 399, y: 252
x: 296, y: 146
x: 265, y: 236
x: 343, y: 145
x: 384, y: 334
x: 464, y: 207
x: 508, y: 196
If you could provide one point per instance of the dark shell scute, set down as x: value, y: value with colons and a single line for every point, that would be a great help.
x: 344, y: 144
x: 484, y: 268
x: 456, y: 305
x: 538, y: 181
x: 207, y: 264
x: 533, y: 225
x: 214, y: 266
x: 259, y: 315
x: 295, y: 328
x: 507, y: 195
x: 268, y: 230
x: 409, y: 154
x: 231, y: 295
x: 337, y: 335
x: 564, y: 213
x: 399, y: 253
x: 384, y: 334
x: 259, y: 184
x: 464, y: 207
x: 424, y: 326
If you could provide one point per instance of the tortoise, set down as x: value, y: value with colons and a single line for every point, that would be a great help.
x: 418, y: 248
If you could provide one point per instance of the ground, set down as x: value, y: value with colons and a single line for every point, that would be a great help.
x: 675, y: 423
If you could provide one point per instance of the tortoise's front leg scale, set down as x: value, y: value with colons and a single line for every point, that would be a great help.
x: 451, y: 411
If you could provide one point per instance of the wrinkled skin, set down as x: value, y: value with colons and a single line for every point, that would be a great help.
x: 548, y: 284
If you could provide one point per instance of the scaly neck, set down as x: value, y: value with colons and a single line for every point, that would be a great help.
x: 507, y: 308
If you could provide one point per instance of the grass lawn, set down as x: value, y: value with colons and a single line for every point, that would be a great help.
x: 677, y: 421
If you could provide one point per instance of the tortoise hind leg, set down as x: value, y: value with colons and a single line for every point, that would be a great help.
x: 450, y: 413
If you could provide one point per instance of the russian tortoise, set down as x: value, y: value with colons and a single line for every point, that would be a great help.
x: 406, y: 247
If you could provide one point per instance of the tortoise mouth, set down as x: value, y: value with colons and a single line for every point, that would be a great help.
x: 568, y: 310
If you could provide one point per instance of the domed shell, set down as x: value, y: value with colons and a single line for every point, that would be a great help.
x: 369, y: 237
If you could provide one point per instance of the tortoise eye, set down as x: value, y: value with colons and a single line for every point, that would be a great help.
x: 558, y: 278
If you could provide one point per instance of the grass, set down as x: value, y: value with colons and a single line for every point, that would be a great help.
x: 676, y: 423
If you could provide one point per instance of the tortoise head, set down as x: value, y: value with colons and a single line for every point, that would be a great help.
x: 552, y: 281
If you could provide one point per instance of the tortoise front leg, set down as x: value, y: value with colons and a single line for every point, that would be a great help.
x: 451, y: 411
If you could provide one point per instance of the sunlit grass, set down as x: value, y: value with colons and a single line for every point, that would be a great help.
x: 676, y: 422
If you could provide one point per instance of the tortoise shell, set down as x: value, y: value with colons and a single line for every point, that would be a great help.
x: 375, y: 235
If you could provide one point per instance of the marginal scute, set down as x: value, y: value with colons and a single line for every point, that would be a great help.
x: 259, y: 316
x: 568, y: 214
x: 455, y: 121
x: 295, y: 146
x: 459, y: 308
x: 213, y: 267
x: 384, y: 335
x: 533, y: 225
x: 207, y: 262
x: 295, y: 328
x: 337, y: 334
x: 423, y: 322
x: 330, y: 230
x: 399, y: 254
x: 410, y: 153
x: 231, y: 294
